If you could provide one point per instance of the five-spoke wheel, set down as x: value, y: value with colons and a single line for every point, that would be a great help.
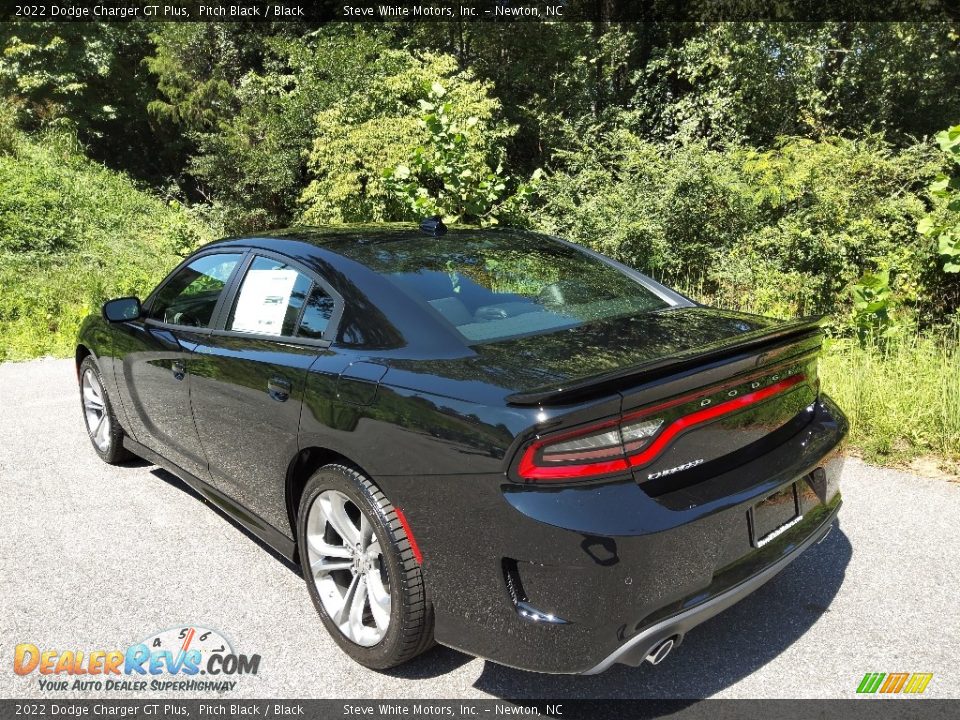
x: 98, y: 416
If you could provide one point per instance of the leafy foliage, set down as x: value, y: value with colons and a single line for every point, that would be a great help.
x: 378, y: 127
x: 790, y: 228
x: 444, y: 176
x: 752, y: 82
x: 88, y: 78
x: 252, y: 160
x: 943, y: 225
x: 872, y: 306
x: 197, y: 68
x: 73, y: 234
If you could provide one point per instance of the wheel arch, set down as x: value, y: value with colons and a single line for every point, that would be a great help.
x: 82, y: 352
x: 302, y: 467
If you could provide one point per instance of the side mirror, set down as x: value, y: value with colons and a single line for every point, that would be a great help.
x: 121, y: 309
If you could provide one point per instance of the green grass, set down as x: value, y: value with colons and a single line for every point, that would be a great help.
x: 903, y: 400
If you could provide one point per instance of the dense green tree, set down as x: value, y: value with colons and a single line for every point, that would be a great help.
x: 201, y: 71
x: 377, y: 126
x: 751, y: 82
x: 198, y: 67
x: 746, y: 82
x: 246, y: 100
x: 88, y: 76
x: 553, y: 79
x: 784, y: 231
x: 255, y: 162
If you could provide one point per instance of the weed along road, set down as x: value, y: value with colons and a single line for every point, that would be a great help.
x: 140, y: 565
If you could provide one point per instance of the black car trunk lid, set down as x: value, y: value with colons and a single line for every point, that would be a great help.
x: 716, y: 386
x: 618, y: 356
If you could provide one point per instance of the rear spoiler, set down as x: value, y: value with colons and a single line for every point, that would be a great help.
x: 785, y: 336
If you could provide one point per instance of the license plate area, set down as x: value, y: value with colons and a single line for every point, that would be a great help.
x: 774, y: 515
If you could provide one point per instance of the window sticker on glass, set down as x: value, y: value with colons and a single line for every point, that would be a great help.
x: 262, y: 304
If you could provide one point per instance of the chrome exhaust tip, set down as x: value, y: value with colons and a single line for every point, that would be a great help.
x: 660, y: 652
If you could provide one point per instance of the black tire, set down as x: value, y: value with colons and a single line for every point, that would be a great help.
x: 113, y: 452
x: 410, y: 630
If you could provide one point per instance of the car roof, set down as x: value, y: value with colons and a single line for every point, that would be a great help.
x: 350, y: 240
x: 390, y: 320
x: 378, y: 310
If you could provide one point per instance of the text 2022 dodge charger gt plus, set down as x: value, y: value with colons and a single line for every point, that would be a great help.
x: 491, y: 439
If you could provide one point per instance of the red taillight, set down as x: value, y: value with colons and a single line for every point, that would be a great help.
x: 596, y: 450
x: 635, y: 439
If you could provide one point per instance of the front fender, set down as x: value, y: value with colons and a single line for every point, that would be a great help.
x: 96, y: 338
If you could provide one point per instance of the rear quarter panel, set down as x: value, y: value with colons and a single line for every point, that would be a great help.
x: 403, y: 432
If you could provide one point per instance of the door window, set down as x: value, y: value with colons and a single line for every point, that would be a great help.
x: 270, y: 299
x: 190, y: 296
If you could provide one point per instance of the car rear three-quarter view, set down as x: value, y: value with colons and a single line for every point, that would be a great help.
x: 491, y: 439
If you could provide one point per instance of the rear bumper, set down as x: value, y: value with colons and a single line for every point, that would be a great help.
x: 639, y: 646
x: 573, y: 579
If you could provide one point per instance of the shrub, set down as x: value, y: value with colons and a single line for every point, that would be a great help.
x: 377, y: 127
x: 943, y: 224
x: 872, y: 304
x: 784, y: 231
x: 447, y: 177
x: 9, y: 135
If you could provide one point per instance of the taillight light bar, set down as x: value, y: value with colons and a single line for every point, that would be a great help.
x: 615, y: 446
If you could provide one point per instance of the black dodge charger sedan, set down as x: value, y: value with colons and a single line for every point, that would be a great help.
x: 491, y: 439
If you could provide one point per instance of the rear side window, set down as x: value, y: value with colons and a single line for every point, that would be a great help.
x: 190, y: 296
x: 270, y: 299
x: 316, y: 314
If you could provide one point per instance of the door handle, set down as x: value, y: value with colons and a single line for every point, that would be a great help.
x: 279, y: 389
x: 179, y: 369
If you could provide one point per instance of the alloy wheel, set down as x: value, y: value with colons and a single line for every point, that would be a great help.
x: 348, y: 568
x: 95, y: 410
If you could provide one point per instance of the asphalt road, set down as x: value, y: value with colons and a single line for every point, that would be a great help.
x: 93, y: 556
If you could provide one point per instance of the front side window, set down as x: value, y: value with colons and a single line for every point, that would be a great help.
x: 270, y: 300
x: 190, y: 296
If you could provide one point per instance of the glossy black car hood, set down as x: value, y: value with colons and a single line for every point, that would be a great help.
x: 562, y: 358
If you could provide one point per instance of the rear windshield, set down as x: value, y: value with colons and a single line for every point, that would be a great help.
x: 494, y: 288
